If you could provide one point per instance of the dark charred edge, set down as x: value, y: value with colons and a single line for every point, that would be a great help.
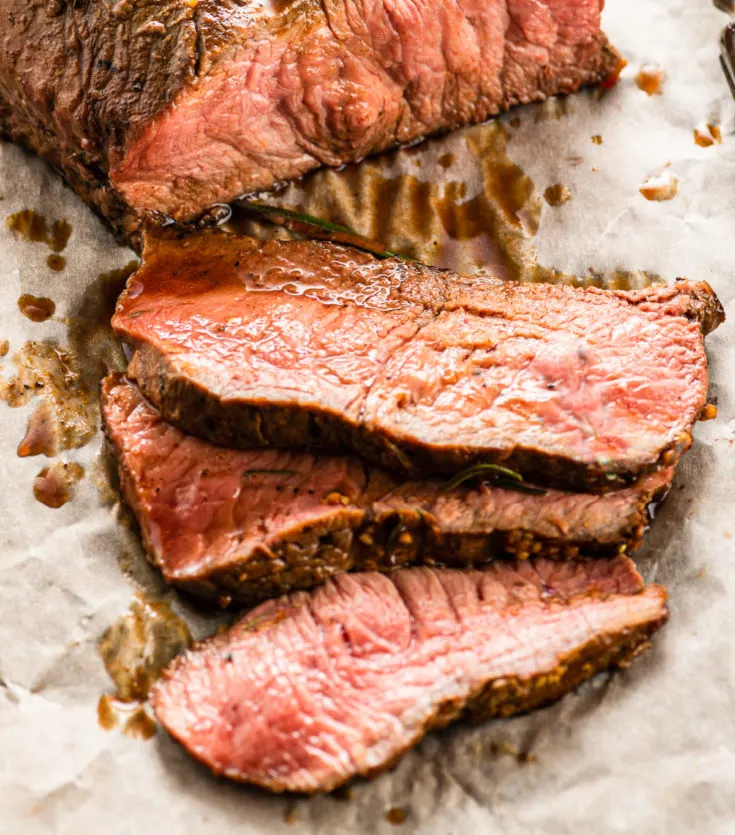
x: 363, y: 543
x: 504, y: 698
x: 84, y: 176
x: 500, y: 698
x: 355, y: 539
x: 88, y: 175
x: 239, y: 425
x: 705, y: 307
x: 727, y: 47
x: 371, y: 538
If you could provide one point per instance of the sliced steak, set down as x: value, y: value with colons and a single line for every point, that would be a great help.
x: 246, y: 525
x: 173, y: 105
x: 310, y: 690
x: 304, y: 343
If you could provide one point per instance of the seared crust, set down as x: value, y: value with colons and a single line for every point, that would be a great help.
x: 81, y: 81
x: 78, y: 78
x: 573, y: 371
x: 604, y: 618
x: 367, y: 520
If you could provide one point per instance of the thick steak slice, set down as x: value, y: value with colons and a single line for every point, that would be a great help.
x: 172, y: 105
x: 253, y: 524
x: 304, y: 343
x: 310, y: 690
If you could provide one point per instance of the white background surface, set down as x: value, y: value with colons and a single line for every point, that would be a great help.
x: 650, y: 750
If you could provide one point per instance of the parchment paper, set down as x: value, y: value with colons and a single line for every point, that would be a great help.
x: 649, y: 750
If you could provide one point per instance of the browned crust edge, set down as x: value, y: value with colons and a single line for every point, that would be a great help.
x: 90, y: 180
x: 246, y: 425
x: 500, y: 698
x: 369, y: 538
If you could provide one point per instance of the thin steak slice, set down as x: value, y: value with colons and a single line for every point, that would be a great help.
x: 169, y: 106
x: 310, y: 690
x: 246, y: 525
x: 305, y: 343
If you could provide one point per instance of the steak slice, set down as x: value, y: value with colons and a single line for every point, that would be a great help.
x: 305, y: 343
x: 169, y: 106
x: 252, y: 524
x: 310, y: 690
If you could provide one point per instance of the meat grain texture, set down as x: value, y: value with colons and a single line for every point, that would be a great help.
x: 165, y: 107
x: 303, y: 343
x: 310, y: 690
x: 246, y: 525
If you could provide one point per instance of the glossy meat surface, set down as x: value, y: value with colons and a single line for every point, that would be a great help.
x: 307, y: 343
x: 255, y: 523
x: 168, y: 106
x: 313, y: 689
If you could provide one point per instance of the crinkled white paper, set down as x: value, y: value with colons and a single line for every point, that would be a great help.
x: 650, y: 750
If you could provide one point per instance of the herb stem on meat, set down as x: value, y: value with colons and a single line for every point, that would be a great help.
x: 292, y: 219
x: 503, y: 477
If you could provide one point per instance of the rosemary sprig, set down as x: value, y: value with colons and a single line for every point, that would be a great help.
x: 292, y: 219
x: 504, y: 477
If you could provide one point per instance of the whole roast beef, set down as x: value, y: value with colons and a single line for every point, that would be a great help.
x: 246, y: 525
x: 313, y: 689
x: 304, y: 343
x: 169, y: 106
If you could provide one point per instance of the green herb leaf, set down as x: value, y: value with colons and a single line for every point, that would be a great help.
x: 291, y: 214
x: 503, y: 477
x: 289, y: 218
x: 482, y: 469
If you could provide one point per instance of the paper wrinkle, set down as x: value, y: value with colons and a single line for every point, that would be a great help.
x: 648, y: 750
